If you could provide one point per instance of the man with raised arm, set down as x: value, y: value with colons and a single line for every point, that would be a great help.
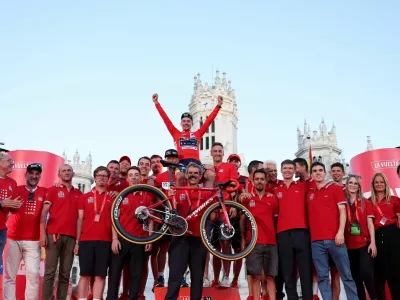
x: 186, y: 141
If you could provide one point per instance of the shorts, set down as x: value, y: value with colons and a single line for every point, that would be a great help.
x: 94, y: 258
x: 263, y: 257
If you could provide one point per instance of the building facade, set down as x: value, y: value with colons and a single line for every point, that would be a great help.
x: 83, y: 179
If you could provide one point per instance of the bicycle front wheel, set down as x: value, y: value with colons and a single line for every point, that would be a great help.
x: 214, y: 233
x: 160, y: 211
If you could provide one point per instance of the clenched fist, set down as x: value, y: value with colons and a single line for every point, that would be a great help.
x: 220, y: 100
x: 155, y: 98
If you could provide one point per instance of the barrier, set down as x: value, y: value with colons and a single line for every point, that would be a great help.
x: 208, y: 293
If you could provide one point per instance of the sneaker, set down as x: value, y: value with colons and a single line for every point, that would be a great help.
x: 90, y: 297
x: 206, y: 282
x: 225, y: 282
x: 123, y: 297
x: 234, y: 284
x: 184, y: 283
x: 160, y: 282
x: 214, y: 283
x: 264, y: 297
x: 315, y: 297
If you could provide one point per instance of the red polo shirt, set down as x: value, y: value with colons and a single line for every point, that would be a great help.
x: 187, y: 202
x: 388, y: 211
x: 271, y: 186
x: 162, y: 181
x: 224, y: 172
x: 292, y: 206
x: 8, y: 188
x: 323, y: 212
x: 63, y: 210
x: 118, y: 186
x: 91, y: 230
x: 127, y: 213
x: 24, y: 223
x: 264, y: 210
x: 363, y: 211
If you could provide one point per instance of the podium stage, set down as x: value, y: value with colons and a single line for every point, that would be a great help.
x: 208, y: 293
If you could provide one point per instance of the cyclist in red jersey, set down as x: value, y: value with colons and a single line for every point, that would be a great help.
x: 187, y: 142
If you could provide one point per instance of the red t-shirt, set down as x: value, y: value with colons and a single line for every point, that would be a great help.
x: 24, y: 223
x: 118, y: 187
x: 187, y: 202
x: 323, y: 211
x: 162, y: 181
x: 389, y: 211
x: 127, y: 213
x: 264, y: 210
x: 292, y: 206
x: 224, y: 172
x: 362, y: 212
x: 187, y: 143
x: 91, y: 230
x: 271, y: 186
x: 63, y: 210
x: 8, y: 188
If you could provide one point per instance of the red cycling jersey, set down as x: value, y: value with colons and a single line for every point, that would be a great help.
x: 187, y: 142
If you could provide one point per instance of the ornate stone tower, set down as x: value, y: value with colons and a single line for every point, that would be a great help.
x: 83, y: 171
x: 323, y: 144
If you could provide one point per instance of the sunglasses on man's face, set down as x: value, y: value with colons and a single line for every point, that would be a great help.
x: 30, y: 197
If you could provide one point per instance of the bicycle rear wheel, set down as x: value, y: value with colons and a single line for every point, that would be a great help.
x: 162, y: 211
x: 213, y: 231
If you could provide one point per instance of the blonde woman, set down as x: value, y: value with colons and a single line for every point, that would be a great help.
x: 360, y: 238
x: 387, y: 235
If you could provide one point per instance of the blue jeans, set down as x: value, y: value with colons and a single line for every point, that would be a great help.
x: 3, y: 239
x: 320, y: 254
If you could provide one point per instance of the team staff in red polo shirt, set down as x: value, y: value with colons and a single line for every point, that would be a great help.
x: 326, y: 205
x: 294, y: 244
x: 156, y: 166
x: 360, y: 238
x: 124, y: 252
x: 94, y: 235
x: 387, y: 235
x: 160, y: 247
x: 124, y: 165
x: 188, y: 249
x: 23, y: 236
x: 115, y: 185
x: 264, y: 256
x: 59, y: 235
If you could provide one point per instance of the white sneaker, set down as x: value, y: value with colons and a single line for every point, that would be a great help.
x: 206, y: 282
x: 225, y: 282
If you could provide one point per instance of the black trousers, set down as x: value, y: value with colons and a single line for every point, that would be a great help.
x: 387, y: 262
x: 294, y: 248
x: 186, y: 250
x: 132, y: 254
x: 362, y: 270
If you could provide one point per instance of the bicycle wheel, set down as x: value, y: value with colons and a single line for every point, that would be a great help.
x: 162, y: 211
x: 212, y: 232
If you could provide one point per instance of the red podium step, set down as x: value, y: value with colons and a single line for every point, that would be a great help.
x: 208, y: 294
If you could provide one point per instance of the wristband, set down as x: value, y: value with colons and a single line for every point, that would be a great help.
x: 219, y: 106
x: 77, y: 242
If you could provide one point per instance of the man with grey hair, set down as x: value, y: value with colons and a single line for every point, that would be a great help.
x: 8, y: 197
x: 58, y: 236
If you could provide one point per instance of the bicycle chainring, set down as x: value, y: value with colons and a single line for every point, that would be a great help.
x: 177, y: 225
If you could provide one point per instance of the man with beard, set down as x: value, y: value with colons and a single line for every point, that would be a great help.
x: 188, y: 249
x: 23, y: 236
x: 156, y: 167
x: 115, y: 185
x: 8, y: 197
x: 124, y: 164
x: 263, y: 259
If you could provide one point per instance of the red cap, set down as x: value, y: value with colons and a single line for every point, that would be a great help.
x: 232, y: 156
x: 125, y: 158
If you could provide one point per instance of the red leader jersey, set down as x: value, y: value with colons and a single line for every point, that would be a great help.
x: 8, y: 188
x: 63, y: 210
x: 187, y: 202
x: 92, y: 204
x: 264, y: 209
x: 187, y: 143
x: 271, y: 186
x: 24, y: 223
x: 224, y: 172
x: 323, y: 211
x: 292, y: 206
x: 362, y: 211
x: 386, y: 211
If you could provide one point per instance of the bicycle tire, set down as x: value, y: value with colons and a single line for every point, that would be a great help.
x: 115, y: 214
x: 208, y: 244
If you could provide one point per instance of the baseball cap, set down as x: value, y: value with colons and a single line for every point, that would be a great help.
x: 234, y: 156
x: 187, y: 115
x: 125, y: 158
x: 171, y: 153
x: 34, y: 166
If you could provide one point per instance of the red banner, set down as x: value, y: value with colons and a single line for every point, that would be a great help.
x: 377, y: 161
x: 50, y: 164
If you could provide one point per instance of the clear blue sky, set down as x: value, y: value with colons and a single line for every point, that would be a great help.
x: 80, y: 74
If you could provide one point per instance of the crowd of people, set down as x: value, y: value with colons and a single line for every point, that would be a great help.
x: 310, y: 229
